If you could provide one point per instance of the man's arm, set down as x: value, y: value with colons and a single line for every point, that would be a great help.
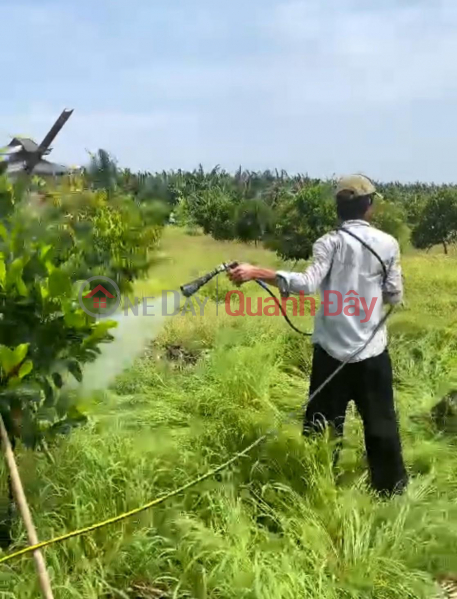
x: 292, y: 282
x: 392, y: 292
x: 248, y: 272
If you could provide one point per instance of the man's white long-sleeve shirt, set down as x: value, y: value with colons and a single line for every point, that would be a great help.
x: 350, y: 280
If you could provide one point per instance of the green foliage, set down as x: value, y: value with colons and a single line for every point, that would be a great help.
x: 46, y: 250
x: 444, y: 413
x: 45, y: 334
x: 391, y: 218
x: 102, y: 172
x: 413, y: 207
x: 98, y: 234
x: 235, y: 206
x: 300, y: 219
x: 215, y: 213
x: 438, y: 221
x: 253, y: 220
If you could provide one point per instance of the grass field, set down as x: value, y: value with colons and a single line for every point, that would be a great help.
x: 276, y: 525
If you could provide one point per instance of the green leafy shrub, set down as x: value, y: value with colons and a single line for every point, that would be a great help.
x: 254, y: 219
x: 101, y: 235
x: 300, y: 219
x: 391, y: 218
x: 215, y: 213
x: 45, y: 252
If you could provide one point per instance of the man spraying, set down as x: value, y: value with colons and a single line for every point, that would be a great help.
x: 362, y: 262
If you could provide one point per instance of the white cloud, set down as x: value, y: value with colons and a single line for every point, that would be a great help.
x: 388, y: 55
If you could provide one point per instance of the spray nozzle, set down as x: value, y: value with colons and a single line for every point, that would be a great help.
x: 191, y: 288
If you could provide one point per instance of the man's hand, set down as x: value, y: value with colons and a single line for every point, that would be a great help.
x: 242, y: 273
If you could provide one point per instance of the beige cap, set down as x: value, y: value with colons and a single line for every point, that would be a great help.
x: 357, y: 186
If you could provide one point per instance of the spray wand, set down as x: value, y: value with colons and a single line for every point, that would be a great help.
x: 191, y: 288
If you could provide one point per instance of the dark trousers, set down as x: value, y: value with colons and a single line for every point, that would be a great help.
x: 369, y: 384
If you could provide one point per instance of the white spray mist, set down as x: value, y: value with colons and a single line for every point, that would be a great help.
x: 131, y: 337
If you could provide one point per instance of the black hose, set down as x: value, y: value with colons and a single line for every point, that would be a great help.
x: 283, y: 312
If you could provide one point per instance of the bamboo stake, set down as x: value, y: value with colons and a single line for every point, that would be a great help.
x: 22, y: 504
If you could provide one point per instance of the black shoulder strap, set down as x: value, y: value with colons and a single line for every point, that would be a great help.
x: 369, y: 248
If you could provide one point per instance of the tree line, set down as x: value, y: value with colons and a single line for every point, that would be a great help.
x: 284, y: 212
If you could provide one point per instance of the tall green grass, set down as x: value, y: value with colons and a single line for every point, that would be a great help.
x: 277, y: 524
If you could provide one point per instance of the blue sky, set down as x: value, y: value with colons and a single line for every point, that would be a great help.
x: 318, y: 86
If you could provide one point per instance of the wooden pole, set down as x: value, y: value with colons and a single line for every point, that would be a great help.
x: 22, y: 504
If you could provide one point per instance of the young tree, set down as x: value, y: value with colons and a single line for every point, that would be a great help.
x: 102, y: 171
x: 253, y: 219
x: 414, y: 206
x: 222, y: 217
x: 391, y: 218
x: 300, y: 219
x: 214, y: 211
x: 438, y: 221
